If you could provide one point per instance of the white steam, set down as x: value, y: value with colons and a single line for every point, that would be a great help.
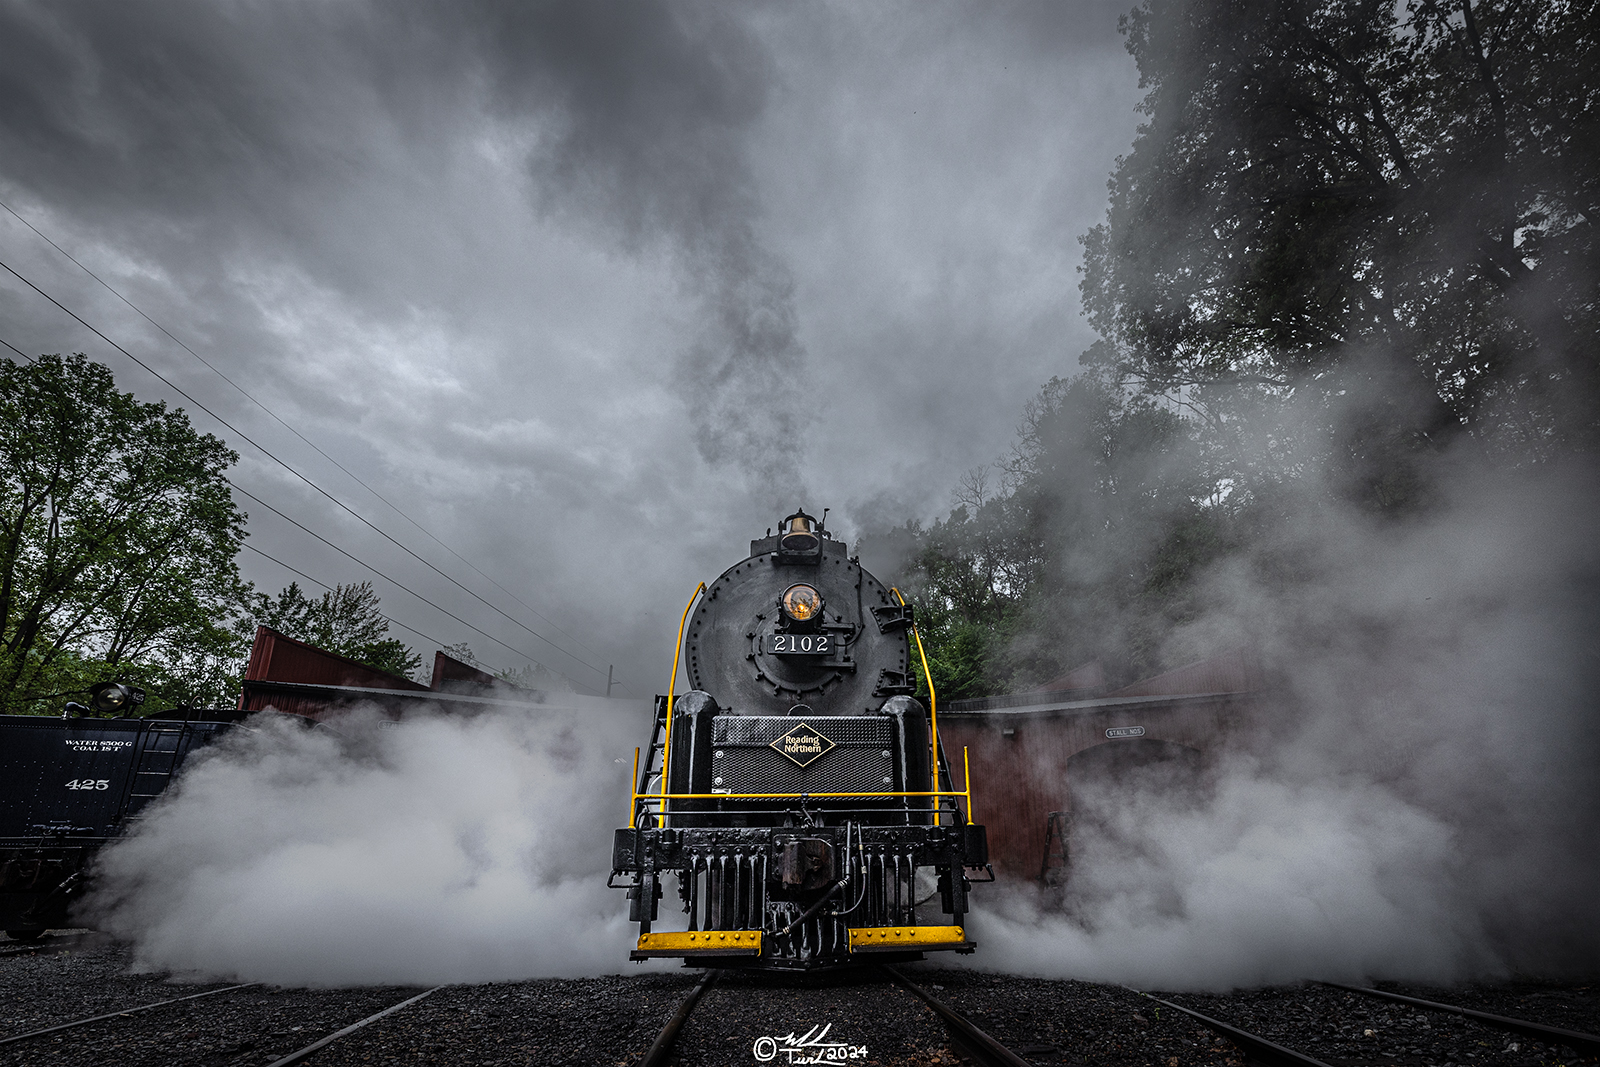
x: 1420, y: 800
x: 441, y: 850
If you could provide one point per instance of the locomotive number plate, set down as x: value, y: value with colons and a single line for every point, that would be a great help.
x: 800, y: 644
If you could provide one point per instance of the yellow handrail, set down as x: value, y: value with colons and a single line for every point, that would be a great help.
x: 791, y: 796
x: 666, y: 747
x: 966, y: 779
x: 933, y: 700
x: 633, y: 787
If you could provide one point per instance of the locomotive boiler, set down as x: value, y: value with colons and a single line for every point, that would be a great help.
x: 797, y: 795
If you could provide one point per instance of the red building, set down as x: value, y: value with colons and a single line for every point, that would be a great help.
x: 1035, y: 755
x: 301, y: 679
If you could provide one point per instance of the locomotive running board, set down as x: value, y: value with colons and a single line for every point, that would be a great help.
x: 909, y: 939
x: 695, y: 943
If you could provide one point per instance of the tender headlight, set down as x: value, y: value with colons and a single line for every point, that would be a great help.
x: 113, y: 697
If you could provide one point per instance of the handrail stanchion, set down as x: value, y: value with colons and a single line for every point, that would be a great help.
x: 966, y: 778
x: 933, y: 708
x: 633, y: 788
x: 666, y: 745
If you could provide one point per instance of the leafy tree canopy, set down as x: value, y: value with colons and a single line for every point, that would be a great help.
x: 346, y: 621
x: 1320, y: 182
x: 1350, y: 233
x: 118, y: 540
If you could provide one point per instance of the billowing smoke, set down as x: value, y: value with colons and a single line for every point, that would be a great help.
x: 1419, y: 797
x: 444, y: 849
x: 644, y: 123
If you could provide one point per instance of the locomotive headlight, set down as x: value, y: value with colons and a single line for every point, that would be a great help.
x: 115, y: 697
x: 801, y: 603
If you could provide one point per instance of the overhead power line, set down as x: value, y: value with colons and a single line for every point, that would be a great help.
x: 297, y: 474
x: 313, y: 445
x: 360, y: 562
x: 17, y: 350
x: 391, y: 620
x: 272, y: 456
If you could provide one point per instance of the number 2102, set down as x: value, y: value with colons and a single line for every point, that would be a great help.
x: 89, y: 783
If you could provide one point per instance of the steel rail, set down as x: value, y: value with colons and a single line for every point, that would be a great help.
x: 1577, y: 1040
x: 662, y: 1046
x: 119, y: 1014
x: 1254, y: 1046
x: 49, y: 944
x: 300, y: 1054
x: 972, y: 1041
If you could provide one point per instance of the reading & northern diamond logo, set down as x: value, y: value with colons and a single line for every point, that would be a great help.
x: 802, y: 744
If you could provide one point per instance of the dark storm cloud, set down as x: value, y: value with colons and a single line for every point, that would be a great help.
x: 638, y: 113
x: 571, y: 267
x: 654, y: 105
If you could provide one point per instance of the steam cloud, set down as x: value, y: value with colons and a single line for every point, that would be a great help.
x: 651, y: 121
x: 1419, y: 800
x: 442, y: 850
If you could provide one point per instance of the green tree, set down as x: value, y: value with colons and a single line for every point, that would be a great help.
x: 1106, y: 509
x: 118, y: 539
x: 1349, y: 234
x: 346, y: 621
x: 1334, y: 192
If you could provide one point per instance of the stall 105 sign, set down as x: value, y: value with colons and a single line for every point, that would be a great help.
x: 1125, y: 731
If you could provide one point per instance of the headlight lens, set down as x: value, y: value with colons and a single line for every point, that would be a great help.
x: 802, y: 603
x: 111, y: 698
x: 115, y: 697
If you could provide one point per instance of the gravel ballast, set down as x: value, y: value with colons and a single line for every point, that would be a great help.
x: 611, y: 1020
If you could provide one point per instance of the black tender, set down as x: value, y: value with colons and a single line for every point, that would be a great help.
x: 70, y: 785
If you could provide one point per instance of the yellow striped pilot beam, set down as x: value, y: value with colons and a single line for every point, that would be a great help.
x: 700, y: 943
x: 906, y: 938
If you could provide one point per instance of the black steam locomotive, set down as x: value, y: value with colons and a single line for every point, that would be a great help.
x: 797, y: 794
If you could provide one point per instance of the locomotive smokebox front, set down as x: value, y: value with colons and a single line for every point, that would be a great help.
x: 798, y: 623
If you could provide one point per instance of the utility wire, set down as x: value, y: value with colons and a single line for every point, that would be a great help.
x: 17, y: 350
x: 210, y: 366
x: 264, y: 451
x: 295, y: 570
x: 385, y: 577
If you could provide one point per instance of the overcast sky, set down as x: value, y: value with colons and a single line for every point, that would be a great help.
x: 593, y: 292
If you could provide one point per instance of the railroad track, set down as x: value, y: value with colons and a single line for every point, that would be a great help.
x: 1262, y: 1050
x: 966, y: 1036
x: 977, y: 1045
x: 294, y: 1057
x: 1257, y: 1048
x: 47, y: 945
x: 1586, y: 1045
x: 972, y: 1041
x: 1278, y: 1028
x: 304, y: 1053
